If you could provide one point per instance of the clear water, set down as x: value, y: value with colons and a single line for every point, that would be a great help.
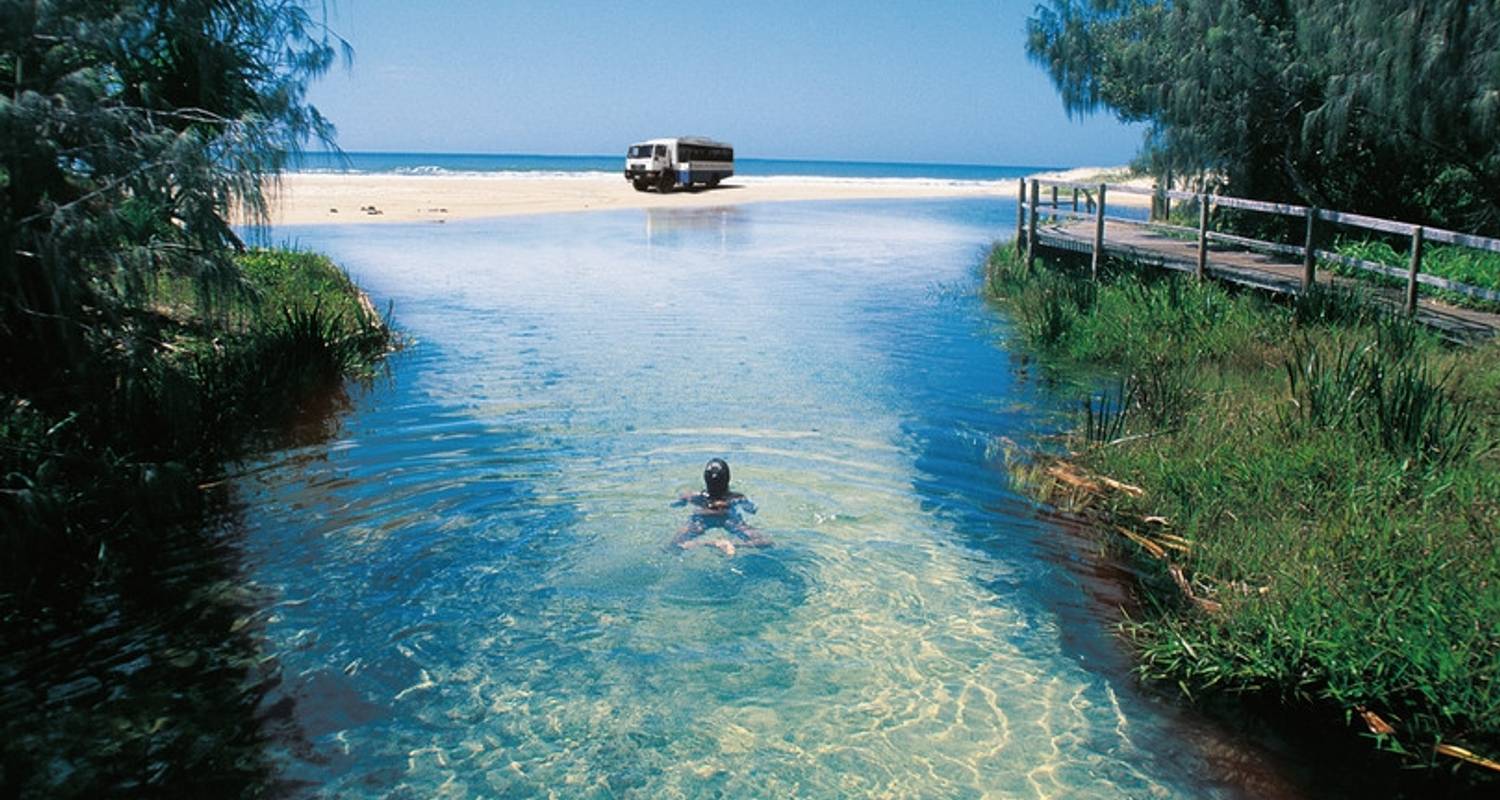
x: 470, y: 592
x: 488, y: 163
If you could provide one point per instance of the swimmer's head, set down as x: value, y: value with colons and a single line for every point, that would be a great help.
x: 716, y: 477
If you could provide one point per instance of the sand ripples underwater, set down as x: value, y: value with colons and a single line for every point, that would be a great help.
x: 469, y: 589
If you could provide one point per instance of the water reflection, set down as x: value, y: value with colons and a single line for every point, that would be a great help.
x: 149, y: 686
x: 669, y: 227
x: 151, y: 680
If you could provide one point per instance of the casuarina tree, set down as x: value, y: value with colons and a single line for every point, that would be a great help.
x: 1383, y: 106
x: 129, y: 131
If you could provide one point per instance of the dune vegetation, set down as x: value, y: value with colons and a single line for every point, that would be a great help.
x: 1313, y: 488
x: 94, y: 466
x: 142, y: 344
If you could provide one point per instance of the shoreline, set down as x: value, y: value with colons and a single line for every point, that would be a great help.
x: 319, y: 198
x: 316, y: 198
x: 1119, y: 175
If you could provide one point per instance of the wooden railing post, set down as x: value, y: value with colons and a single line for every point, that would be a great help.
x: 1036, y: 192
x: 1416, y: 267
x: 1020, y: 217
x: 1309, y: 251
x: 1098, y: 235
x: 1166, y: 200
x: 1202, y: 269
x: 1075, y: 198
x: 1054, y: 203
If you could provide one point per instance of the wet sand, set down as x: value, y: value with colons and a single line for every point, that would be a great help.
x: 318, y: 198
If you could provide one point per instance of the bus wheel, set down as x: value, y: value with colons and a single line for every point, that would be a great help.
x: 714, y: 181
x: 664, y: 183
x: 640, y: 186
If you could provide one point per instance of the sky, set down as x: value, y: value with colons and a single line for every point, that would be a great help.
x: 937, y: 81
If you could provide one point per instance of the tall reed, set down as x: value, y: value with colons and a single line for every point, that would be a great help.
x: 158, y: 403
x: 1333, y: 469
x: 1378, y: 392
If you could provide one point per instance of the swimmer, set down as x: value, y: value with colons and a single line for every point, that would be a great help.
x: 717, y: 507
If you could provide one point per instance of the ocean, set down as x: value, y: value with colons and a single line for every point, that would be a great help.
x: 481, y: 164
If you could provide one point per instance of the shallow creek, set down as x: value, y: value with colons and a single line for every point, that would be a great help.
x: 467, y: 589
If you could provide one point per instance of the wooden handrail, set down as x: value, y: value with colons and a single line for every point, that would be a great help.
x: 1292, y: 210
x: 1464, y: 240
x: 1123, y: 188
x: 1307, y: 250
x: 1285, y: 209
x: 1371, y: 223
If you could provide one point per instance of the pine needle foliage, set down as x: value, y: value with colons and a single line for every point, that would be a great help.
x: 189, y: 397
x: 128, y: 132
x: 140, y: 344
x: 1386, y: 107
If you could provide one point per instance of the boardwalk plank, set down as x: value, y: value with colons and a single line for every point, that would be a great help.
x: 1267, y: 272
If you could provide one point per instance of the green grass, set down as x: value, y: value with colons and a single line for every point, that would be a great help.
x: 1462, y: 264
x: 1335, y: 470
x: 159, y: 403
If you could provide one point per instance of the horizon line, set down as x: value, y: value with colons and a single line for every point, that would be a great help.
x: 756, y: 158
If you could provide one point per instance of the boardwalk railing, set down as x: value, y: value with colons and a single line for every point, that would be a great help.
x: 1094, y: 208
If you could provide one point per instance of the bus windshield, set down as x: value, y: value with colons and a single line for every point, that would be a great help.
x: 640, y: 151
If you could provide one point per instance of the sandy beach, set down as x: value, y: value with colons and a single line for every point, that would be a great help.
x: 1114, y: 176
x: 320, y: 198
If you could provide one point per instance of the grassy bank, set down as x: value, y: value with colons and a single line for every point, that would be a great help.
x: 155, y: 405
x: 1315, y: 488
x: 1462, y: 264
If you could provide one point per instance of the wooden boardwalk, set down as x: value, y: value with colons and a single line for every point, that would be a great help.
x: 1280, y: 274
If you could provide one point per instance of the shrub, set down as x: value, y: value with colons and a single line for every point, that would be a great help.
x: 1337, y: 490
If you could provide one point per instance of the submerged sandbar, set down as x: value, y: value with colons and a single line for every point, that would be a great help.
x: 320, y: 198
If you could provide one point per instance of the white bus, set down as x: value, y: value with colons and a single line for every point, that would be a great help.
x: 684, y: 161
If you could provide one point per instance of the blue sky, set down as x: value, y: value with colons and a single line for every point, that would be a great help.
x: 894, y: 81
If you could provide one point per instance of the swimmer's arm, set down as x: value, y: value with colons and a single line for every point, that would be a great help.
x: 752, y: 536
x: 684, y: 498
x: 745, y: 505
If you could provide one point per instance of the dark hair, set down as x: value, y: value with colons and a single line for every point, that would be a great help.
x: 716, y: 477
